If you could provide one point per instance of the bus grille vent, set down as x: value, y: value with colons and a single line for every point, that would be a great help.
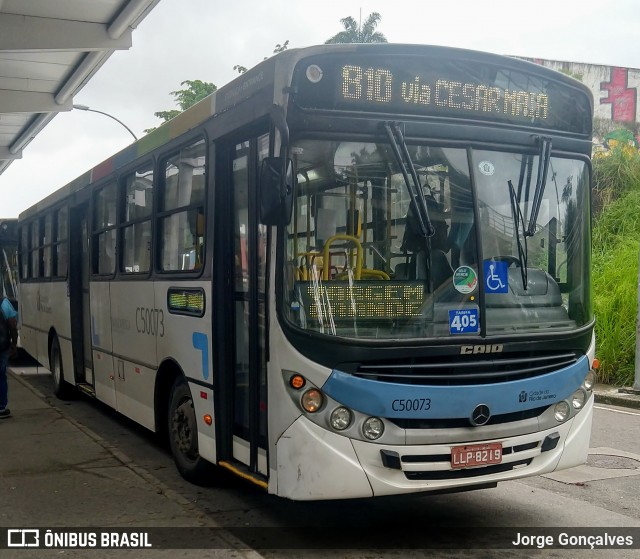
x: 470, y: 472
x: 462, y: 369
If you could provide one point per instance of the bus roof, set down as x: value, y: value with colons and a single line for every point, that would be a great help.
x: 276, y: 69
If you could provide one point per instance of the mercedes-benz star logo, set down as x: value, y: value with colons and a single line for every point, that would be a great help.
x: 480, y: 415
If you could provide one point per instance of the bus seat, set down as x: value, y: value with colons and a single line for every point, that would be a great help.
x: 403, y: 271
x: 441, y: 269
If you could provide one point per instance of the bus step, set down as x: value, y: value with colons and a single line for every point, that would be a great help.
x: 243, y: 471
x: 86, y: 388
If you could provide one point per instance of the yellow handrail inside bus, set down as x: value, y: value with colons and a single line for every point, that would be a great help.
x: 366, y: 273
x: 308, y: 260
x: 326, y: 256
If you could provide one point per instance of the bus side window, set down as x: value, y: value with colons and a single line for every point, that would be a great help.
x: 181, y: 227
x: 136, y: 231
x: 104, y: 234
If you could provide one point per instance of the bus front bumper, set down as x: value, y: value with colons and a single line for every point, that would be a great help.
x: 315, y: 463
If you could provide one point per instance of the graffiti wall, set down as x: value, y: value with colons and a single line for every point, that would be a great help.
x: 615, y: 91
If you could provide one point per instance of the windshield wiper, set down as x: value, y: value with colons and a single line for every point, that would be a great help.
x: 401, y: 153
x: 541, y: 181
x: 518, y: 221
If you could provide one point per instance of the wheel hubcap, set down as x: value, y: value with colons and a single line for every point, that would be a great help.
x: 56, y: 369
x: 183, y: 429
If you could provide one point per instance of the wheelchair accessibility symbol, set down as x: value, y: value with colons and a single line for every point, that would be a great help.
x: 496, y: 276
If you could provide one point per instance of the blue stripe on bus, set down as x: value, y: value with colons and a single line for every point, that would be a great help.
x: 201, y: 341
x: 413, y: 401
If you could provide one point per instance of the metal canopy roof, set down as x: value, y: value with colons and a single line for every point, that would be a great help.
x: 48, y: 52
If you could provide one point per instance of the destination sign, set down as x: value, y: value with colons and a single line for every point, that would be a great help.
x: 371, y: 300
x: 442, y: 87
x: 376, y: 85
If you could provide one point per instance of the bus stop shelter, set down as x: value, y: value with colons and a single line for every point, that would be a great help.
x: 49, y: 50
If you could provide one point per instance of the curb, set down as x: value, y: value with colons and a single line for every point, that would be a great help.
x: 238, y: 548
x: 614, y: 398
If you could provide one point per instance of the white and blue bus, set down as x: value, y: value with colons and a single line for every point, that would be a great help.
x: 8, y: 260
x: 356, y: 270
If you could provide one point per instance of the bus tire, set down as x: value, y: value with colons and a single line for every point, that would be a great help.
x: 183, y: 435
x: 61, y: 388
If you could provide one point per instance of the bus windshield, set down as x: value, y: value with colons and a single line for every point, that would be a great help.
x: 361, y: 264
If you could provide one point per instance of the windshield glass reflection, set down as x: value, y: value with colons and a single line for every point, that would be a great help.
x: 358, y: 262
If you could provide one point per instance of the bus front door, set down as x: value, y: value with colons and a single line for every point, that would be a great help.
x: 245, y: 427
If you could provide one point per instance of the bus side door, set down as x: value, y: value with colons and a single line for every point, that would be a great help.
x: 243, y: 394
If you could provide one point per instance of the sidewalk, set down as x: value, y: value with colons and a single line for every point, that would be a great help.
x: 625, y: 397
x: 55, y: 472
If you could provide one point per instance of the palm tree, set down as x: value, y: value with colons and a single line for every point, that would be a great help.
x: 359, y: 33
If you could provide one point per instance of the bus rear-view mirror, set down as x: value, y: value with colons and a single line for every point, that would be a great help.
x: 276, y: 191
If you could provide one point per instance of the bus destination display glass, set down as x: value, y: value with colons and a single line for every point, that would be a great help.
x: 429, y: 86
x: 339, y: 300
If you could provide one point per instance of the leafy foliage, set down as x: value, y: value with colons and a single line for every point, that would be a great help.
x: 277, y: 49
x: 615, y: 261
x: 616, y: 172
x: 355, y: 32
x: 195, y: 91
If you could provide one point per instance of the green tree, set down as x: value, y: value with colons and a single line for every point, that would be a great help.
x: 358, y: 32
x: 277, y: 49
x: 195, y: 91
x: 281, y: 47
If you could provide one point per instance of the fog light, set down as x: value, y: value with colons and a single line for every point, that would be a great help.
x: 589, y: 380
x: 340, y: 418
x: 561, y: 411
x: 373, y: 428
x: 579, y: 398
x: 312, y: 400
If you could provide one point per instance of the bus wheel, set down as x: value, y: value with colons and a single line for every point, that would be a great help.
x: 61, y: 388
x: 183, y: 435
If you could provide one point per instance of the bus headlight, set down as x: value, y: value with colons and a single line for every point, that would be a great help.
x: 589, y: 380
x: 340, y: 418
x: 312, y: 400
x: 561, y: 411
x: 579, y: 398
x: 373, y: 428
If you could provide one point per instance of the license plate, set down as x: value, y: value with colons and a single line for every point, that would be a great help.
x: 476, y: 455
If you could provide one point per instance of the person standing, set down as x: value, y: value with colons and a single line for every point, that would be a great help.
x: 8, y: 346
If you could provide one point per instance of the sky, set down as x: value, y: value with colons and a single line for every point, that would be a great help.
x: 203, y: 40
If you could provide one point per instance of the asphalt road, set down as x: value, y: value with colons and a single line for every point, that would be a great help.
x: 602, y: 493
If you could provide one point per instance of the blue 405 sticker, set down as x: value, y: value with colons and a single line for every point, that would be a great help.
x: 464, y: 321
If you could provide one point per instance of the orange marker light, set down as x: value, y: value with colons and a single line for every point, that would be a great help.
x: 297, y: 382
x: 595, y: 363
x: 208, y: 419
